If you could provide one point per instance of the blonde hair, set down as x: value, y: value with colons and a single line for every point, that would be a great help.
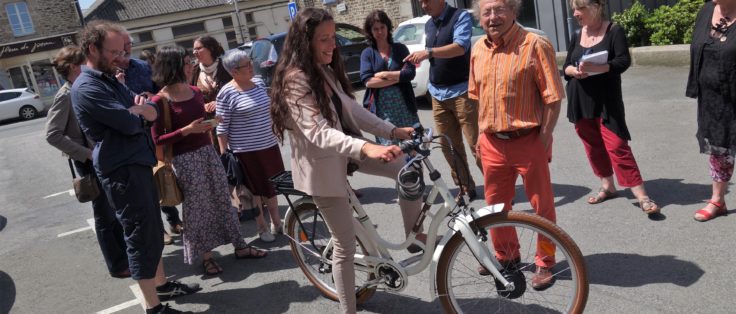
x: 601, y: 4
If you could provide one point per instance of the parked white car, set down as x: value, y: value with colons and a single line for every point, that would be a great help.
x: 411, y: 34
x: 20, y: 102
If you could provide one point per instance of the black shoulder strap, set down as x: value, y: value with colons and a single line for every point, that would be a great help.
x: 338, y: 107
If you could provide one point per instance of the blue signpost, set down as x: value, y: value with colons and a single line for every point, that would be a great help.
x: 292, y: 10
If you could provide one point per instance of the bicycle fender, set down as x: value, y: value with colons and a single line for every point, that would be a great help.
x: 484, y: 211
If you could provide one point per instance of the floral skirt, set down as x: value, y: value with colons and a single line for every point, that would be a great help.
x: 209, y: 218
x: 392, y: 107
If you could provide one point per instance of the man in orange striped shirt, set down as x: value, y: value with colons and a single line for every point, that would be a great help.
x: 514, y: 76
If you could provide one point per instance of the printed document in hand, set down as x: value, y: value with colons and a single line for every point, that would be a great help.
x: 600, y: 57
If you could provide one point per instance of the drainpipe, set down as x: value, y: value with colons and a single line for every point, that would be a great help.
x: 79, y: 12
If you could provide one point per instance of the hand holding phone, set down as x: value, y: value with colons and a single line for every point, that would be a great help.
x: 211, y: 122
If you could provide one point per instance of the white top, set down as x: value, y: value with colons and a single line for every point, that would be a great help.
x: 246, y: 117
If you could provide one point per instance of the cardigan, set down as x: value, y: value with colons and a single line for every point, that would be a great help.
x: 727, y: 66
x: 371, y: 63
x: 600, y: 96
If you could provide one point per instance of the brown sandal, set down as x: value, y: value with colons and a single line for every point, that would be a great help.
x: 211, y: 267
x: 601, y: 196
x: 648, y: 206
x: 253, y: 252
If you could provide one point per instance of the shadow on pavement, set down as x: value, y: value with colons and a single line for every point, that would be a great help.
x: 3, y: 223
x: 632, y: 270
x: 674, y: 192
x: 569, y: 193
x: 7, y: 292
x: 234, y: 270
x: 252, y: 300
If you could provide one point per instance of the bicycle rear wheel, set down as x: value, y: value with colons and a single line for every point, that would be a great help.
x: 462, y: 289
x: 308, y: 244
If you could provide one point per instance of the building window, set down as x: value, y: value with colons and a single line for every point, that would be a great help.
x: 227, y: 21
x: 186, y: 44
x: 253, y: 32
x: 20, y: 20
x: 249, y: 18
x: 144, y: 37
x: 232, y: 40
x: 188, y: 29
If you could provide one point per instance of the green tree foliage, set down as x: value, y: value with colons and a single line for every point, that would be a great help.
x: 673, y: 24
x: 665, y: 25
x: 632, y: 21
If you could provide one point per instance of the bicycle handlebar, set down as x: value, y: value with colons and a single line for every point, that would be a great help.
x: 419, y: 137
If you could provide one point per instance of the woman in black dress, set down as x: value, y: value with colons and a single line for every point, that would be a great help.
x: 711, y: 81
x: 595, y: 104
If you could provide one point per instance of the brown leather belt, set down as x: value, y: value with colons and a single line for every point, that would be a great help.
x: 514, y: 134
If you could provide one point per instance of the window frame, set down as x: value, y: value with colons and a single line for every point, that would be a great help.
x: 25, y: 27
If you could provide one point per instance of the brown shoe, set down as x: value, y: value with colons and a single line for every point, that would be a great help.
x: 506, y: 265
x: 542, y: 279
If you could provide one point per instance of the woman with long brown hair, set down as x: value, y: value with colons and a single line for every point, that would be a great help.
x: 312, y: 101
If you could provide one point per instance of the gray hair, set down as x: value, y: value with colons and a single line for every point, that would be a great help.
x: 232, y: 59
x: 515, y: 6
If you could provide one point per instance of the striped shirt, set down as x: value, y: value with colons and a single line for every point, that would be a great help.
x: 513, y: 79
x: 246, y: 117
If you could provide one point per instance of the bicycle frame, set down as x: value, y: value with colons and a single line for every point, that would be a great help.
x: 462, y: 222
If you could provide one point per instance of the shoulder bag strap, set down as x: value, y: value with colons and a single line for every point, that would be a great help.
x: 168, y: 150
x: 71, y: 168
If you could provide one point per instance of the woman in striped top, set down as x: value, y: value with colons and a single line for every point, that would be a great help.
x: 243, y: 104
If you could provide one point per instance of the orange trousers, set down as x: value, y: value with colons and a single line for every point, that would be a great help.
x: 503, y: 161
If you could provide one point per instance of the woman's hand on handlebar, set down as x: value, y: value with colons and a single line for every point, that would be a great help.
x: 385, y: 153
x: 402, y: 133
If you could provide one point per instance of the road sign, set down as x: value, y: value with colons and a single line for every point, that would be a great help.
x: 292, y: 10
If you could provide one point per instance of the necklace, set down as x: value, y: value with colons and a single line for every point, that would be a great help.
x: 720, y: 29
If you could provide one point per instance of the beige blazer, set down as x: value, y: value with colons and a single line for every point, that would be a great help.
x: 62, y: 128
x: 320, y: 151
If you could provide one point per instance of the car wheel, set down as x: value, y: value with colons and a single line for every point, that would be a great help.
x: 28, y: 112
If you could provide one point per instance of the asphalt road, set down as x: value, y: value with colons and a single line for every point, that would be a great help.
x: 668, y: 264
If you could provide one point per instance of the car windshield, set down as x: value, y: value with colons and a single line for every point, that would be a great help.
x: 346, y: 36
x: 409, y: 34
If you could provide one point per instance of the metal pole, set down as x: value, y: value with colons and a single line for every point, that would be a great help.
x: 237, y: 16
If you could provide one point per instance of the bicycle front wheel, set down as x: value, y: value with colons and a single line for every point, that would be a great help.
x: 463, y: 289
x: 309, y: 241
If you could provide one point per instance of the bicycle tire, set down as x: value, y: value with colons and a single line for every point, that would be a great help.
x: 311, y: 266
x: 457, y: 255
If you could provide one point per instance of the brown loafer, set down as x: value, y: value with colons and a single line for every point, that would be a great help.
x: 167, y: 239
x: 542, y: 279
x: 506, y: 265
x: 177, y: 228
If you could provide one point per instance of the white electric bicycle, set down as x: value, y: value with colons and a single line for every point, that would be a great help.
x: 454, y: 262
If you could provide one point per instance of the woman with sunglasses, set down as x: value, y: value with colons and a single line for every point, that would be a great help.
x: 595, y: 103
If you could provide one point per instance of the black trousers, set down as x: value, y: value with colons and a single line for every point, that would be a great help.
x: 109, y: 231
x: 132, y: 193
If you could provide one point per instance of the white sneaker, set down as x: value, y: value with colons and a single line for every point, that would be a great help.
x: 266, y: 236
x: 277, y: 230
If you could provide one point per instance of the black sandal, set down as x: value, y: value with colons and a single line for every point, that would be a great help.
x: 253, y: 252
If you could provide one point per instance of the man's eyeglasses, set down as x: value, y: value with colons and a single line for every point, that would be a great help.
x: 497, y: 11
x: 115, y: 53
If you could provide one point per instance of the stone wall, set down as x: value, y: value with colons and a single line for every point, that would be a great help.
x: 49, y: 17
x: 357, y: 10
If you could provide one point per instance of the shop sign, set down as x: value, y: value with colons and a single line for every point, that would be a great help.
x: 40, y: 45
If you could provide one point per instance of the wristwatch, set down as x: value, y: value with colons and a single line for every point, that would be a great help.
x: 429, y: 51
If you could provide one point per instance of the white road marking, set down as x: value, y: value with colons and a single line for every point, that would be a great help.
x: 91, y: 223
x: 119, y: 307
x: 69, y: 191
x: 138, y: 296
x: 74, y: 231
x: 138, y: 300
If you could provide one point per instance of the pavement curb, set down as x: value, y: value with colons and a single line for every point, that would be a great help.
x: 671, y: 55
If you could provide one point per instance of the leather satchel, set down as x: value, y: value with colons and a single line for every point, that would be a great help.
x: 85, y: 187
x: 169, y: 193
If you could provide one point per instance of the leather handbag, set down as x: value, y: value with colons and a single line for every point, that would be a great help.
x: 169, y: 193
x: 85, y: 187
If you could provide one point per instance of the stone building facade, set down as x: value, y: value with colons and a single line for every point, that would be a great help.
x: 31, y: 33
x: 354, y: 11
